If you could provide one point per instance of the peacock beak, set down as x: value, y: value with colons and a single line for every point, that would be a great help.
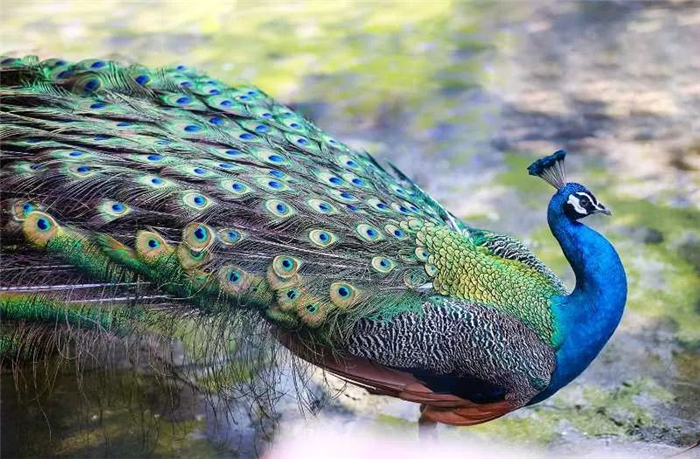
x: 603, y: 210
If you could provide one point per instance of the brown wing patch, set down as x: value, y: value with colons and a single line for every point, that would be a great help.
x: 471, y: 415
x: 381, y: 380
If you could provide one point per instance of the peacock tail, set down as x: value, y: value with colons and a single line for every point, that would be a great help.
x: 129, y: 194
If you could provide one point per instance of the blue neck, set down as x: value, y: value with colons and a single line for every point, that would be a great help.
x: 587, y: 317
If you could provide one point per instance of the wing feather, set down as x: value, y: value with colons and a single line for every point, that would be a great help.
x: 435, y: 358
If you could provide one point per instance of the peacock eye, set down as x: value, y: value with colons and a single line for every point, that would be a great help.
x: 584, y: 201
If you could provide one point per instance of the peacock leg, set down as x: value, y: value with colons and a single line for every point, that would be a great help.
x: 426, y: 426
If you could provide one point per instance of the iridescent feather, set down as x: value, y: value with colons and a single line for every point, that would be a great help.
x: 170, y: 185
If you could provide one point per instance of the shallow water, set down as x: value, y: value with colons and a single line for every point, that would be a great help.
x: 462, y: 97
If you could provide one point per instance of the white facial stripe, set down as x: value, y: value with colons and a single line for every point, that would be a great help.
x: 574, y: 201
x: 590, y: 198
x: 593, y: 199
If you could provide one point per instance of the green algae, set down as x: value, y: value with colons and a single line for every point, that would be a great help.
x: 597, y: 413
x: 675, y: 290
x: 116, y: 435
x: 533, y: 430
x: 395, y: 422
x: 677, y: 299
x: 516, y: 176
x: 537, y: 429
x: 616, y: 412
x: 645, y: 213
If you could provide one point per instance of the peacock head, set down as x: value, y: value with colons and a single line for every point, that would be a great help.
x: 573, y: 199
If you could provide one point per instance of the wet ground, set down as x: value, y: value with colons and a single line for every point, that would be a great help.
x: 462, y: 97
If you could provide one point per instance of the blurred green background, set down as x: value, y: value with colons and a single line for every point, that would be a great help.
x: 462, y: 96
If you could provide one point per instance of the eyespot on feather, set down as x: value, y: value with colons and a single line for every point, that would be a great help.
x: 330, y: 179
x: 368, y: 233
x: 431, y: 270
x: 312, y: 311
x: 20, y: 209
x: 272, y: 184
x: 322, y: 238
x: 231, y: 236
x: 287, y: 298
x: 303, y: 143
x: 150, y: 246
x: 344, y: 295
x: 322, y: 207
x: 197, y: 236
x: 88, y: 83
x: 190, y: 259
x: 378, y: 205
x: 349, y: 162
x: 39, y: 228
x: 422, y: 254
x: 80, y: 171
x: 110, y: 210
x: 154, y: 181
x: 277, y: 283
x: 270, y: 156
x: 279, y: 208
x: 233, y: 280
x: 414, y: 279
x: 235, y: 187
x: 395, y: 231
x: 285, y: 266
x: 383, y: 265
x: 196, y: 201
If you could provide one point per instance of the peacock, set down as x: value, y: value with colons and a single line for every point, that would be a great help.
x: 132, y: 194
